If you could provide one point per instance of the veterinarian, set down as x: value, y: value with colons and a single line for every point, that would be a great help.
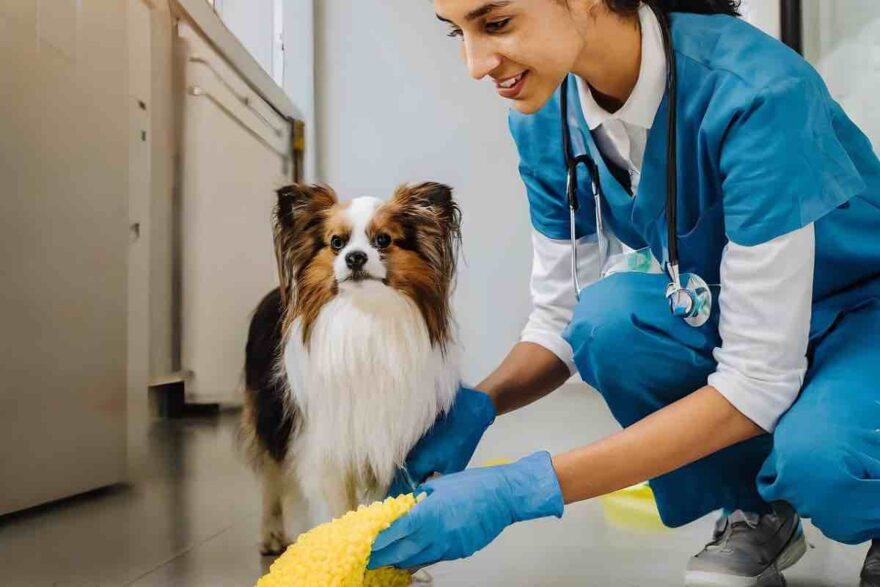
x: 739, y: 350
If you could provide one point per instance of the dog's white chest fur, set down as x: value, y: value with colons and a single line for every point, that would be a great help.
x: 368, y: 386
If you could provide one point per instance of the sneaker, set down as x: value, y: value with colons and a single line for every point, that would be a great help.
x: 749, y: 550
x: 871, y: 569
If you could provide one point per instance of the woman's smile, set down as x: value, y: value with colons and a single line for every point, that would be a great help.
x: 511, y: 87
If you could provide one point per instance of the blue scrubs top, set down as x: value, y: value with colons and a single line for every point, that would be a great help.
x: 763, y: 149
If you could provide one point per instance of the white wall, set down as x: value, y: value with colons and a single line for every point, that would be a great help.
x: 253, y: 22
x: 842, y: 39
x: 299, y: 69
x: 395, y: 104
x: 764, y: 14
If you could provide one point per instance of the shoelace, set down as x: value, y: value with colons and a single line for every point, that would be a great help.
x: 741, y: 517
x: 727, y: 526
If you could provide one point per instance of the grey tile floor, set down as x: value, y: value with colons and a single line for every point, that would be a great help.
x: 193, y: 521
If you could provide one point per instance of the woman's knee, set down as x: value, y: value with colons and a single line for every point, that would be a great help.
x: 625, y: 341
x: 605, y: 310
x: 602, y: 331
x: 825, y: 480
x: 629, y: 347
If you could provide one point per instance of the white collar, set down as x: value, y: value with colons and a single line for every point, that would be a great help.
x: 642, y: 105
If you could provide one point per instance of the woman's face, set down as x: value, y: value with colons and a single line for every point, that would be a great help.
x: 526, y: 47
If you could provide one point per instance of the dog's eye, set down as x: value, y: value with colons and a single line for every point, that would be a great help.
x: 382, y: 240
x: 336, y: 242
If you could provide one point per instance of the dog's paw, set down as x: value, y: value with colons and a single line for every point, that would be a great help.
x: 274, y: 542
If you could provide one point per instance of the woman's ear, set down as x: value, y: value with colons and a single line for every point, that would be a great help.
x: 592, y: 8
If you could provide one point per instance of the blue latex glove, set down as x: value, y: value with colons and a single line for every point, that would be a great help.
x: 466, y: 511
x: 450, y: 443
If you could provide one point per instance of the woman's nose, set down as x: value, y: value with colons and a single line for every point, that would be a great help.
x: 480, y: 58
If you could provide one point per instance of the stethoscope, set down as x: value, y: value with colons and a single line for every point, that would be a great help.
x: 692, y: 302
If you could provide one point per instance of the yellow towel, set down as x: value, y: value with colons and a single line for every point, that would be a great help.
x: 335, y: 554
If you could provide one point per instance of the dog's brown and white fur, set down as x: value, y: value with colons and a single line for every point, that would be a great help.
x: 352, y: 359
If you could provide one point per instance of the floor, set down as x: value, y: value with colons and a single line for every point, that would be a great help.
x: 193, y: 522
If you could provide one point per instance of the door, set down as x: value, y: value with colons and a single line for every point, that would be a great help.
x: 63, y: 248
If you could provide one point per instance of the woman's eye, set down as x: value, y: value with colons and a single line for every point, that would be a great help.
x: 382, y: 240
x: 496, y: 26
x: 454, y: 32
x: 336, y: 242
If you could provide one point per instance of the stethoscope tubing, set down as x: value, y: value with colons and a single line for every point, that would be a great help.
x: 694, y: 305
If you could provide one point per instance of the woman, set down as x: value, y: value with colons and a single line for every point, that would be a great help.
x: 764, y: 403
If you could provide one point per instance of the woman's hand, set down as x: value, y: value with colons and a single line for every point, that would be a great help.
x: 466, y: 511
x: 450, y: 443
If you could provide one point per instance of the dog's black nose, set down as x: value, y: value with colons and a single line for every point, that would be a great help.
x: 356, y: 260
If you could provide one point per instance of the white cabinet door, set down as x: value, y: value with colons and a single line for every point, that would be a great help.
x: 64, y: 134
x: 234, y: 155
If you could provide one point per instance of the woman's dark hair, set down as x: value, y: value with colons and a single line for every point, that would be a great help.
x: 629, y: 7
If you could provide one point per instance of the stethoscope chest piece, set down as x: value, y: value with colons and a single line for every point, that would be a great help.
x: 693, y: 302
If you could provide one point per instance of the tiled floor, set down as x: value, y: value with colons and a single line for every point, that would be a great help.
x: 193, y: 522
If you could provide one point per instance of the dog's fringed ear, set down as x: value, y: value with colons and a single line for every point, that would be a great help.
x: 433, y: 202
x: 295, y: 211
x: 436, y: 196
x: 298, y: 199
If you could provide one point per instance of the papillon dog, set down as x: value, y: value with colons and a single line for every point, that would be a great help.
x: 350, y: 361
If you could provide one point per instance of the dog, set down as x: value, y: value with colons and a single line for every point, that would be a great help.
x: 351, y: 360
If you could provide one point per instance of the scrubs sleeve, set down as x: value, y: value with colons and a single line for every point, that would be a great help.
x: 553, y: 298
x: 782, y: 164
x: 765, y: 308
x: 542, y: 168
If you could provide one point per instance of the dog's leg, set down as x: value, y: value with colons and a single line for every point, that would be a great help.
x: 340, y: 494
x: 273, y: 538
x: 298, y: 517
x: 374, y: 487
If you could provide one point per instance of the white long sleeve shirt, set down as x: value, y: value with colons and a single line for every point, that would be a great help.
x: 766, y: 289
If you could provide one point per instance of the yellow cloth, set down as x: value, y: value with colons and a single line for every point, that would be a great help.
x: 335, y: 554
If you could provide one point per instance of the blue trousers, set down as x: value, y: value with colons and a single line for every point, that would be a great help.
x: 824, y: 456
